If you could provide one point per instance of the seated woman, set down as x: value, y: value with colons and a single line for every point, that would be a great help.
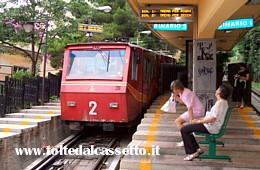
x: 211, y: 123
x: 186, y: 96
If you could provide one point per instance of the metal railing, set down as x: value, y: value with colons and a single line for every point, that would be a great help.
x: 20, y: 94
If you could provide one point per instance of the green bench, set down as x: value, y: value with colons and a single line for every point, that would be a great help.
x: 210, y: 139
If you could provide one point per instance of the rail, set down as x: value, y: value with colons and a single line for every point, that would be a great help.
x: 256, y: 98
x: 48, y: 160
x: 87, y: 141
x: 102, y: 158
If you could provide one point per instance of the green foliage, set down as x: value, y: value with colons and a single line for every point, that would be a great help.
x: 20, y: 74
x: 248, y: 51
x: 182, y: 60
x: 54, y: 97
x: 256, y: 85
x: 27, y: 105
x: 12, y: 33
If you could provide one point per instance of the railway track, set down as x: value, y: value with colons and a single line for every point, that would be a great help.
x: 256, y: 98
x: 85, y: 148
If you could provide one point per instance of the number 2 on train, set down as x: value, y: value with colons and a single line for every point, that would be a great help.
x: 93, y: 106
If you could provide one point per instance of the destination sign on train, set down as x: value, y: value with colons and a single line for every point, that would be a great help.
x: 170, y: 27
x: 237, y: 23
x: 161, y: 14
x: 90, y: 28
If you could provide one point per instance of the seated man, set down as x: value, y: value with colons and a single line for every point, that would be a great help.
x: 211, y: 123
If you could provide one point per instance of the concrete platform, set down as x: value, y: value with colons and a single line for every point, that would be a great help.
x: 172, y: 128
x: 237, y: 118
x: 22, y: 121
x: 176, y: 162
x: 52, y: 107
x: 232, y: 150
x: 242, y: 142
x: 40, y: 111
x: 175, y: 137
x: 31, y: 116
x: 233, y: 123
x: 15, y: 128
x: 53, y: 103
x: 7, y: 134
x: 30, y: 128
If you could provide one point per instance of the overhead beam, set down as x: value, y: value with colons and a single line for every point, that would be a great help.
x: 211, y: 14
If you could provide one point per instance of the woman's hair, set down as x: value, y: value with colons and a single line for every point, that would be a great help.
x: 242, y: 65
x: 224, y: 92
x: 176, y: 84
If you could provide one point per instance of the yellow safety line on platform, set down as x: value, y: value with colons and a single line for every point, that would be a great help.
x: 24, y: 123
x: 150, y: 136
x: 145, y: 163
x: 247, y: 119
x: 50, y: 112
x: 6, y: 130
x: 153, y: 127
x: 243, y: 111
x: 251, y: 124
x: 38, y: 117
x: 256, y: 132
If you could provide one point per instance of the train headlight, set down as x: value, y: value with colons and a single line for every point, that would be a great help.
x: 113, y: 105
x: 71, y: 104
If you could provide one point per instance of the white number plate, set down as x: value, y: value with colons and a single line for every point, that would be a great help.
x: 93, y: 106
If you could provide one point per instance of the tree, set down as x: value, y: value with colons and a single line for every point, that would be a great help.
x: 247, y: 50
x: 12, y: 32
x: 64, y: 18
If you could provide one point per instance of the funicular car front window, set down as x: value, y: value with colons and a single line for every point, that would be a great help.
x: 96, y: 63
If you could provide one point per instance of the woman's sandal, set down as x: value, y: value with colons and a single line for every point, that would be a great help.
x: 194, y: 155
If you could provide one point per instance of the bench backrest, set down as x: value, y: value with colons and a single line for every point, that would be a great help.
x: 223, y: 127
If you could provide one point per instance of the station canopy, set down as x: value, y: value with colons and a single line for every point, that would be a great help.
x: 224, y: 20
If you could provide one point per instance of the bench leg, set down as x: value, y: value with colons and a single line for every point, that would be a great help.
x: 212, y: 152
x: 215, y: 157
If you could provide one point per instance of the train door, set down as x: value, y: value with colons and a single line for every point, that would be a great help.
x: 150, y: 80
x: 134, y: 83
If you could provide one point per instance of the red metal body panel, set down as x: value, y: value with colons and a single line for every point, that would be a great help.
x: 85, y: 102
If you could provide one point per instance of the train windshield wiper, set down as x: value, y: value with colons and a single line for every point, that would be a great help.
x: 108, y: 60
x: 103, y: 56
x: 105, y: 59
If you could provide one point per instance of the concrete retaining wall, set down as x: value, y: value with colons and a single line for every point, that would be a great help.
x: 46, y: 133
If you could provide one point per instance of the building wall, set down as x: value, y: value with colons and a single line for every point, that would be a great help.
x: 7, y: 61
x: 49, y: 68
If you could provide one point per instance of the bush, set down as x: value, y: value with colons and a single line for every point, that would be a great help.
x: 256, y: 85
x: 54, y: 97
x: 20, y: 74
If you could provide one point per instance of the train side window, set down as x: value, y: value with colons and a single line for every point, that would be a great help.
x: 135, y: 62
